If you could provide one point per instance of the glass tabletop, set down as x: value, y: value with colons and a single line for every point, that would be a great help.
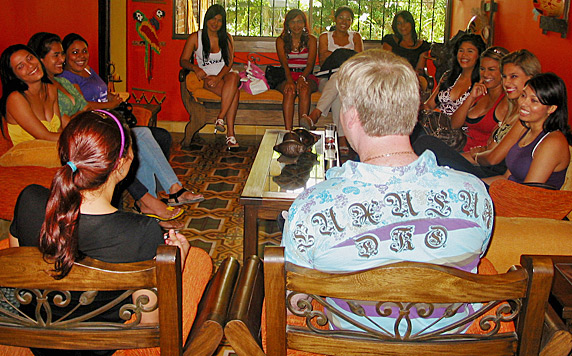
x: 294, y: 175
x: 274, y: 177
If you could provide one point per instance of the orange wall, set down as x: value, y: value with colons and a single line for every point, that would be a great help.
x: 515, y: 28
x: 21, y: 19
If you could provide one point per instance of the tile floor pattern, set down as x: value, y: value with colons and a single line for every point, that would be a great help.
x: 216, y: 224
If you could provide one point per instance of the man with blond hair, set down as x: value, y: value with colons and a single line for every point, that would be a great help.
x: 393, y: 205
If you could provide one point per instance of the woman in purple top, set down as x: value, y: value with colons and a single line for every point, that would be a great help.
x: 83, y: 77
x: 542, y: 154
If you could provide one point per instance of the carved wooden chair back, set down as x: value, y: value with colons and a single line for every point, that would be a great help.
x: 408, y: 289
x: 25, y: 270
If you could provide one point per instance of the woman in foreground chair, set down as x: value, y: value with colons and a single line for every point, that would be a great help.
x: 213, y: 48
x: 75, y: 217
x: 297, y: 50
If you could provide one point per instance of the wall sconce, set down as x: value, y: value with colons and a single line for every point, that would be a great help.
x: 554, y: 15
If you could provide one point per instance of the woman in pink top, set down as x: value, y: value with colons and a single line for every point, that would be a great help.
x: 487, y: 104
x: 297, y: 50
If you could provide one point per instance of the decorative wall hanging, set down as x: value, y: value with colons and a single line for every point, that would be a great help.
x: 147, y: 30
x: 482, y: 21
x: 553, y: 15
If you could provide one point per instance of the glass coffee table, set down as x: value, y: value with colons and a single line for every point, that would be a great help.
x: 273, y: 185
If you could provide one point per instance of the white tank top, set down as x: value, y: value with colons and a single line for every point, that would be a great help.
x: 214, y: 64
x: 332, y: 46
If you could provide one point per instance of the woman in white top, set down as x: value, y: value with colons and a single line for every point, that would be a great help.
x: 328, y: 42
x: 214, y: 53
x: 341, y: 36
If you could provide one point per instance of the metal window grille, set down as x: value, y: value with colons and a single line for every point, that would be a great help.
x: 265, y: 18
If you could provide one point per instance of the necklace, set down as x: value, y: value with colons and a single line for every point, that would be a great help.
x: 388, y: 155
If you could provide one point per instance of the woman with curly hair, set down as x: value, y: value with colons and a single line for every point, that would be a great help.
x: 297, y: 50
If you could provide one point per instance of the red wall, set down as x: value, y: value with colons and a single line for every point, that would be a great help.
x: 21, y: 19
x: 515, y: 28
x: 165, y: 66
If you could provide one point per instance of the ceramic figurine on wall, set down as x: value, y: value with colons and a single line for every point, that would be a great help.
x: 147, y: 30
x: 553, y: 15
x: 552, y: 8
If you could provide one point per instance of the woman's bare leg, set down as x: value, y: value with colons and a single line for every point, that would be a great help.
x: 288, y: 91
x: 231, y: 113
x: 305, y: 90
x: 227, y: 89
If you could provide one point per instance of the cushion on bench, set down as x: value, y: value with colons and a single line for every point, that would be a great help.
x: 195, y: 86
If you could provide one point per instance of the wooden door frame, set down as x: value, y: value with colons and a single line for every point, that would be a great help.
x: 103, y: 37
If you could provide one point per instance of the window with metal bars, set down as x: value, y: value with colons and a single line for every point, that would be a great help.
x: 265, y: 18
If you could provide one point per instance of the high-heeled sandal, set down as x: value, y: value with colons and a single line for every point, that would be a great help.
x: 219, y: 126
x: 173, y: 199
x: 231, y: 142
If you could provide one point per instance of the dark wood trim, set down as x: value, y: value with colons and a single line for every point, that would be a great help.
x: 103, y: 37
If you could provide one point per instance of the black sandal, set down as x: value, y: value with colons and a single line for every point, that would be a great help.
x: 173, y: 199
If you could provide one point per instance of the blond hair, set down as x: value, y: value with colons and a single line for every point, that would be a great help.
x: 383, y: 89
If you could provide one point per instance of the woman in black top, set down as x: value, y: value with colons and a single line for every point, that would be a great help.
x: 75, y: 217
x: 404, y: 41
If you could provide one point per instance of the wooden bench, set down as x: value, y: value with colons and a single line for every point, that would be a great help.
x: 25, y: 269
x: 264, y: 109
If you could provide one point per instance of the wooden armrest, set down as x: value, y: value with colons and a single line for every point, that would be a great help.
x: 243, y: 327
x: 207, y: 331
x: 183, y: 74
x: 556, y: 339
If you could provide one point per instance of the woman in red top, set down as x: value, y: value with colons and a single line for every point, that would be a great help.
x: 486, y: 103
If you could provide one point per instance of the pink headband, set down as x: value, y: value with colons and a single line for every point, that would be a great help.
x: 121, y: 130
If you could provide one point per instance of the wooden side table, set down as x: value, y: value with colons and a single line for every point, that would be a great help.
x: 561, y: 294
x: 262, y: 197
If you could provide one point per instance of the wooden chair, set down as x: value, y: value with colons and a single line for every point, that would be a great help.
x: 25, y: 269
x: 521, y: 294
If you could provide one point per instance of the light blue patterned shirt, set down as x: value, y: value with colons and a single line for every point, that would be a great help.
x: 365, y: 216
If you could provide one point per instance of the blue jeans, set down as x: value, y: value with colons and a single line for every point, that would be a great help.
x: 153, y: 166
x: 163, y: 138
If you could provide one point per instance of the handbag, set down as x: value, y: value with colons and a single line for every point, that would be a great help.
x: 335, y: 61
x: 125, y: 110
x: 438, y: 124
x: 253, y: 80
x: 274, y: 76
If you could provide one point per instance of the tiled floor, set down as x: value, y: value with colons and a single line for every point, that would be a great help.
x: 216, y: 224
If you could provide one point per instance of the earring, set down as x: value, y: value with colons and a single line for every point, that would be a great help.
x: 121, y: 171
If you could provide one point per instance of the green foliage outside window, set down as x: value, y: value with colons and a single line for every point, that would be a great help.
x: 256, y: 18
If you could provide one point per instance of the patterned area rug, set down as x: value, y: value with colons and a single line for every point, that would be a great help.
x: 216, y: 224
